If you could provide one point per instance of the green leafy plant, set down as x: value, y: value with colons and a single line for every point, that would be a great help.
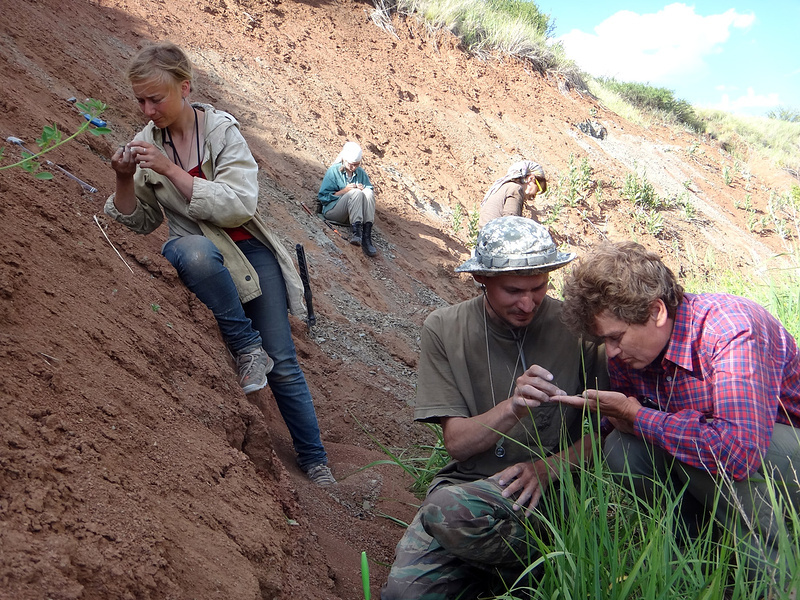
x: 52, y: 138
x: 473, y: 227
x: 642, y: 193
x: 727, y: 177
x: 576, y: 183
x: 458, y: 218
x: 554, y: 212
x: 689, y: 211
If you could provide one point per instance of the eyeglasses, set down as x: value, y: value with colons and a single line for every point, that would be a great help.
x: 354, y: 164
x: 538, y: 185
x: 648, y: 402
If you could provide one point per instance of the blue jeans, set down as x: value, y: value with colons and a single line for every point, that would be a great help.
x: 262, y: 321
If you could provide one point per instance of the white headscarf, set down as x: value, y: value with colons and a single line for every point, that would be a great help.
x: 519, y: 170
x: 351, y: 152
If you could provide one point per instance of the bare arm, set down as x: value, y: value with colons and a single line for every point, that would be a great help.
x: 465, y: 437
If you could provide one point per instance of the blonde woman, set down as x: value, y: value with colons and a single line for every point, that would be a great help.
x: 191, y: 164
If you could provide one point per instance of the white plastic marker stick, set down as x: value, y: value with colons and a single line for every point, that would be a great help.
x: 96, y: 220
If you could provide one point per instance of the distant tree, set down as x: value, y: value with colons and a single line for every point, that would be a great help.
x: 785, y: 113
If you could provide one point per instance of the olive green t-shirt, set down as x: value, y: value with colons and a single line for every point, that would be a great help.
x: 454, y: 379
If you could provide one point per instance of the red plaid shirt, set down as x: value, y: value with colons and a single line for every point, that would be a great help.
x: 729, y: 373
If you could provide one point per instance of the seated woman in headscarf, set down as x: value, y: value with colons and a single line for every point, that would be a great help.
x: 509, y: 194
x: 347, y: 196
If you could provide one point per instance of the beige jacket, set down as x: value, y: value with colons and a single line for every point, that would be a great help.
x: 227, y: 198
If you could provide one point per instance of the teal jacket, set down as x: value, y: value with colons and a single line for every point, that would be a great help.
x: 336, y: 179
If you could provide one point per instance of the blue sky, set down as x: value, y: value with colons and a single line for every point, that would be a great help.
x: 740, y: 57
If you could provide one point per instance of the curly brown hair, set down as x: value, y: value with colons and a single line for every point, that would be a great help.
x: 164, y: 61
x: 623, y: 278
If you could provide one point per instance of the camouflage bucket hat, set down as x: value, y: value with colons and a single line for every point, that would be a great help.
x: 514, y: 245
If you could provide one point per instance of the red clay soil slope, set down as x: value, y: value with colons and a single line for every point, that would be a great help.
x: 131, y: 465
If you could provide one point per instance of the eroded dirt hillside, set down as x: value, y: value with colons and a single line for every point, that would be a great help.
x: 131, y: 466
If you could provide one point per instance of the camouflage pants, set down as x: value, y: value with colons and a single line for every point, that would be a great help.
x: 464, y: 541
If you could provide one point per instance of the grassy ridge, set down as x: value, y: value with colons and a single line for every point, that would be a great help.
x: 518, y: 28
x: 511, y: 27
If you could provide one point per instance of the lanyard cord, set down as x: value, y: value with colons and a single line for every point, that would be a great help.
x: 168, y: 140
x: 519, y: 341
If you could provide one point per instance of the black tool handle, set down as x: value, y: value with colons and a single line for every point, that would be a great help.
x: 301, y: 263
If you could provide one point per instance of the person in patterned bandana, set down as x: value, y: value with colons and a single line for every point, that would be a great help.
x: 487, y: 369
x: 707, y: 396
x: 518, y: 188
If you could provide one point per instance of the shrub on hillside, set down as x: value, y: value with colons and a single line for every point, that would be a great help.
x: 649, y: 98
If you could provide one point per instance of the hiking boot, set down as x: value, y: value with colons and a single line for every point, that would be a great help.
x: 321, y: 475
x: 355, y: 236
x: 253, y: 368
x: 366, y: 241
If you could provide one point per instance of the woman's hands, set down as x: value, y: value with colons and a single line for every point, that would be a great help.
x: 143, y: 154
x: 149, y: 156
x: 349, y: 188
x: 123, y: 162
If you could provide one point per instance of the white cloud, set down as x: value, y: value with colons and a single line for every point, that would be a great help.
x: 656, y: 47
x: 748, y: 102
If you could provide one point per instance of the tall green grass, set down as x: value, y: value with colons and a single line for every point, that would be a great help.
x: 603, y: 542
x: 599, y: 541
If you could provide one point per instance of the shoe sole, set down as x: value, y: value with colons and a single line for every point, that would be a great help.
x: 254, y: 387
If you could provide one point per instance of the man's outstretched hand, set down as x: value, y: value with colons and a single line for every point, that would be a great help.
x: 619, y: 408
